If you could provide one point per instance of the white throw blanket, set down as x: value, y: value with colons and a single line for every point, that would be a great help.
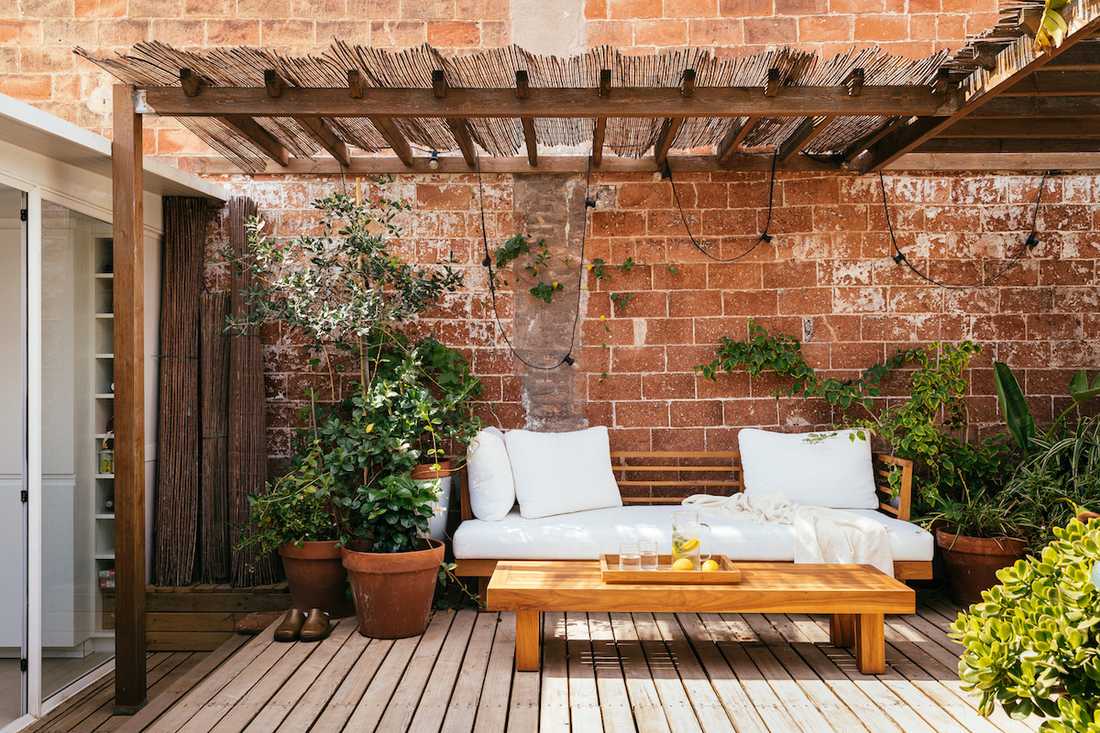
x: 821, y: 535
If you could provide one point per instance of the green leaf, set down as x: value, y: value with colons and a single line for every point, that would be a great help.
x: 1014, y: 405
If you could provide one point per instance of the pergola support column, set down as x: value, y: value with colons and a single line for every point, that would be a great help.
x: 129, y: 376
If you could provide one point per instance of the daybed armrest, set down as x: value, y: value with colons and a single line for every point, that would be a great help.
x: 464, y: 510
x: 885, y: 465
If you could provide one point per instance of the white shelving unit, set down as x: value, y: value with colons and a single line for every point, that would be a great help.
x: 103, y: 515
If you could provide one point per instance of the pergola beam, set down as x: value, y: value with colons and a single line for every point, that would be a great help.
x: 259, y: 137
x: 1015, y: 63
x: 1039, y: 107
x: 802, y: 136
x: 731, y: 143
x: 632, y: 102
x: 523, y: 93
x: 459, y: 127
x: 669, y: 129
x: 599, y: 128
x: 1066, y: 128
x: 1010, y: 145
x: 128, y: 232
x: 320, y: 131
x: 393, y: 138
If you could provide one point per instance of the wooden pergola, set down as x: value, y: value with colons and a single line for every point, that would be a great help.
x: 997, y: 103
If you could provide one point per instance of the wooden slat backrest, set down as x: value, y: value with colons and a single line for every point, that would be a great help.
x: 666, y: 477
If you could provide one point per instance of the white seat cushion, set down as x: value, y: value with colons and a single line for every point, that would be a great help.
x: 492, y: 489
x: 560, y: 473
x: 831, y: 469
x: 585, y: 535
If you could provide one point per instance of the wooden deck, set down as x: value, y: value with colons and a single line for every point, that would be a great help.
x: 611, y: 672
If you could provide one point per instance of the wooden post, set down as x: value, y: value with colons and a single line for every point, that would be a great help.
x: 129, y: 325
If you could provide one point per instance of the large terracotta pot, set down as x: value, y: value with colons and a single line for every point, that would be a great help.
x: 393, y: 590
x: 437, y: 525
x: 972, y: 562
x: 316, y: 577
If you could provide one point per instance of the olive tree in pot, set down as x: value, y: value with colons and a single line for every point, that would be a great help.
x: 295, y: 517
x: 351, y: 296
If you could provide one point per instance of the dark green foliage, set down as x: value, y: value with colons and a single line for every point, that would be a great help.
x: 390, y: 515
x: 621, y: 300
x: 545, y: 291
x: 1017, y: 414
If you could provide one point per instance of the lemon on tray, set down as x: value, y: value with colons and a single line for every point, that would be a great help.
x: 710, y: 566
x: 684, y: 563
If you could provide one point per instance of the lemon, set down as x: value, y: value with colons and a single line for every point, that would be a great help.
x: 684, y: 563
x: 689, y: 544
x: 710, y: 566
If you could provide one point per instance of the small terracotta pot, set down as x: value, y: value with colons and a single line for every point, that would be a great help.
x: 393, y: 591
x: 316, y: 577
x: 426, y: 471
x: 972, y: 562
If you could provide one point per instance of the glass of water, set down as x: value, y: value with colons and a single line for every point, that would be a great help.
x: 629, y: 556
x: 647, y: 550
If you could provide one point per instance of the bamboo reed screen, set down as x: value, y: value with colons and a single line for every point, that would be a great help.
x: 247, y: 444
x: 177, y: 488
x: 213, y: 381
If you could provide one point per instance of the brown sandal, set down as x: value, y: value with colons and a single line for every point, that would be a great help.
x: 316, y: 626
x: 291, y: 626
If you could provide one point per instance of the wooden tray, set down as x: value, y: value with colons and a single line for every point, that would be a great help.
x: 726, y: 574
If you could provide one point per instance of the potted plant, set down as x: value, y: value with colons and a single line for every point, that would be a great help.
x: 1033, y: 643
x: 295, y: 518
x: 352, y: 297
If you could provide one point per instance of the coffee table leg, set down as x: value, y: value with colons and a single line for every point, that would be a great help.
x: 870, y: 643
x: 528, y: 640
x: 842, y: 630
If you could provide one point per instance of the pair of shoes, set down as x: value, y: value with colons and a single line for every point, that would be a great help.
x: 297, y: 626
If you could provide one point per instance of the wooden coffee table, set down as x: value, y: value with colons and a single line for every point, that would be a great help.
x: 856, y: 596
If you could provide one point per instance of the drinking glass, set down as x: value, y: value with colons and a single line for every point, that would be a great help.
x: 629, y: 556
x: 647, y: 549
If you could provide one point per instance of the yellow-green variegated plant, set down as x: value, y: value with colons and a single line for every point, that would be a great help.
x: 1052, y: 25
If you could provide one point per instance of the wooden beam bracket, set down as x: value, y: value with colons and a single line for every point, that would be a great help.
x: 854, y: 82
x: 523, y: 91
x: 274, y: 83
x: 191, y: 82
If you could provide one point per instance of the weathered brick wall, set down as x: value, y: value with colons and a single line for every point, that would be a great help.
x: 827, y: 274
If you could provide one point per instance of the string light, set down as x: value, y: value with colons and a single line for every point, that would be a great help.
x: 764, y: 237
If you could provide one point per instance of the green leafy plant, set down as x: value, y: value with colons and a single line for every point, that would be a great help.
x: 1033, y: 644
x: 598, y: 267
x: 545, y: 291
x: 297, y: 507
x: 538, y: 259
x: 782, y: 354
x: 621, y: 300
x: 390, y: 515
x: 1017, y: 414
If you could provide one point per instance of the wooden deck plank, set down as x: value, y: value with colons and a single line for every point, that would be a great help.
x: 496, y: 688
x: 768, y: 673
x: 610, y: 683
x: 461, y: 712
x: 211, y: 713
x: 730, y: 693
x: 708, y: 708
x: 398, y: 714
x: 340, y: 685
x: 584, y: 700
x: 435, y: 701
x: 554, y: 689
x: 644, y: 699
x: 275, y: 709
x: 662, y: 667
x: 801, y: 707
x: 208, y: 686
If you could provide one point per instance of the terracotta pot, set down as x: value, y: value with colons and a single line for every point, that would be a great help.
x: 393, y: 590
x: 316, y: 577
x: 437, y: 525
x: 972, y: 562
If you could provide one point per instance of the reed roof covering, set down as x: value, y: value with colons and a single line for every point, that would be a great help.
x: 831, y: 130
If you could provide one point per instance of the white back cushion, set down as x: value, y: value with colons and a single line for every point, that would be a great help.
x: 817, y: 469
x: 492, y: 490
x: 558, y: 473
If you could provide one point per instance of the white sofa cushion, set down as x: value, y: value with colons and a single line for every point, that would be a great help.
x: 585, y: 535
x: 492, y: 488
x: 828, y: 469
x: 558, y: 473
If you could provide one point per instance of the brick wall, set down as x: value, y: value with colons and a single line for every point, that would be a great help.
x: 827, y: 274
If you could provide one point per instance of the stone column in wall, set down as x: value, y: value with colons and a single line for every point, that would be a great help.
x: 550, y: 207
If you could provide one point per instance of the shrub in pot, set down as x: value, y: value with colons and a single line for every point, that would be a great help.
x: 392, y: 563
x: 1032, y: 645
x: 295, y: 517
